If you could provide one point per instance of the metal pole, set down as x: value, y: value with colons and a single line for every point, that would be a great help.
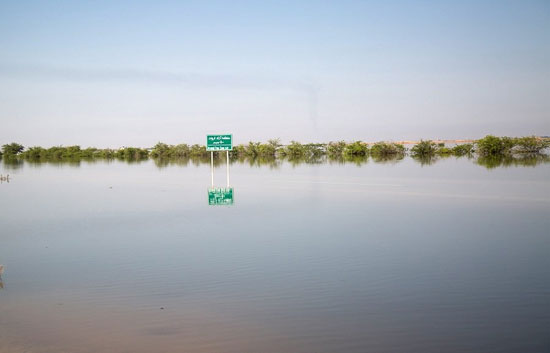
x: 227, y: 154
x: 212, y: 167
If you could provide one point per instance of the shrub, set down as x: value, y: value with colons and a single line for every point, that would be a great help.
x: 444, y: 151
x: 131, y: 153
x: 34, y: 153
x: 531, y: 144
x: 336, y: 149
x: 464, y: 149
x: 160, y: 150
x: 238, y: 151
x: 356, y: 148
x: 105, y: 153
x: 315, y: 149
x: 491, y: 145
x: 198, y: 151
x: 88, y: 152
x: 383, y: 149
x: 252, y: 149
x: 12, y: 149
x: 181, y: 150
x: 295, y: 149
x: 268, y: 149
x: 424, y: 149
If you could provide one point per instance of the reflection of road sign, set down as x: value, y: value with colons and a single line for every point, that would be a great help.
x: 219, y: 142
x: 220, y: 196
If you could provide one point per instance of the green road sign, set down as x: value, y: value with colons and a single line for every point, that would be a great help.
x: 220, y: 196
x: 219, y: 142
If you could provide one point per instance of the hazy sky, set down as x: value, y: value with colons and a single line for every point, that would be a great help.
x: 114, y: 73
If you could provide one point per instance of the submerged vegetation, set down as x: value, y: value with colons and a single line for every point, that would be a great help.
x: 58, y: 153
x: 424, y: 149
x: 384, y: 149
x: 505, y: 146
x: 490, y: 151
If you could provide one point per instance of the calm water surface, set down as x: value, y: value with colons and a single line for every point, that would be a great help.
x: 397, y: 257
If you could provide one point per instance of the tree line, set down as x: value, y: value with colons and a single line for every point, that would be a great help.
x: 487, y: 147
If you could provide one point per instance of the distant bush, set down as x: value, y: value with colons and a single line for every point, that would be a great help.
x: 443, y: 151
x: 237, y: 152
x: 270, y: 148
x: 266, y: 150
x: 424, y: 149
x: 463, y: 149
x: 315, y: 149
x: 295, y: 149
x: 105, y: 153
x: 34, y: 153
x: 131, y: 153
x: 12, y: 149
x: 494, y: 146
x: 356, y: 148
x: 160, y: 150
x: 530, y: 144
x: 258, y: 149
x: 336, y: 149
x: 383, y: 149
x: 198, y: 151
x: 491, y: 145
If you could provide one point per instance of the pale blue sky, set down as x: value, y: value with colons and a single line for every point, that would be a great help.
x: 109, y: 73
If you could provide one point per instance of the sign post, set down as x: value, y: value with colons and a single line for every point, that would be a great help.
x: 227, y: 154
x: 219, y: 142
x: 212, y: 167
x: 217, y: 196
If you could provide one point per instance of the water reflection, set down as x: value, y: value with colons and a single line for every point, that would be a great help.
x: 527, y: 160
x: 12, y: 163
x: 390, y: 159
x: 524, y: 160
x: 220, y: 196
x: 427, y: 160
x: 1, y: 273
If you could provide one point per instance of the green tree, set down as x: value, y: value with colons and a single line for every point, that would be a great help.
x: 160, y: 150
x: 443, y: 151
x: 336, y: 149
x: 424, y: 149
x: 492, y: 146
x: 295, y: 149
x: 12, y: 149
x: 198, y: 151
x: 253, y: 149
x: 383, y: 149
x: 463, y: 149
x: 34, y: 153
x: 180, y: 151
x: 315, y: 150
x: 531, y: 144
x: 356, y: 148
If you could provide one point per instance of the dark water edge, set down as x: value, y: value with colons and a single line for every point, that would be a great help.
x: 311, y: 257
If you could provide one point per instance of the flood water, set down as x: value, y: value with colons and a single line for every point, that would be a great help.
x: 328, y: 257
